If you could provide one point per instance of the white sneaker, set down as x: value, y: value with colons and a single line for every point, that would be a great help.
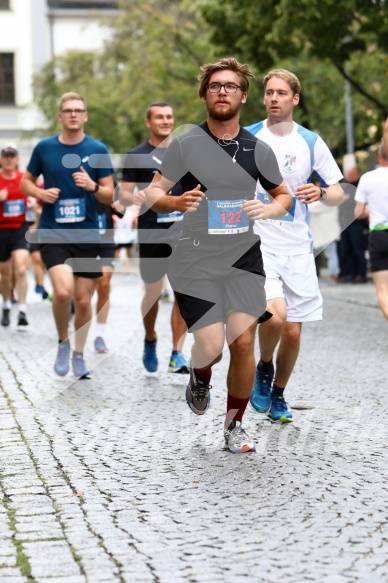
x: 237, y: 440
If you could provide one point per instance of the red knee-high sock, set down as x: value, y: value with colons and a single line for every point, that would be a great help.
x: 235, y: 409
x: 203, y: 373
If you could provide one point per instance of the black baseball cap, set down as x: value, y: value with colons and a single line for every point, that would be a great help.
x: 9, y: 149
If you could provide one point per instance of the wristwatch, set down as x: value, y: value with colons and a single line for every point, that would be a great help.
x: 97, y: 186
x: 323, y: 195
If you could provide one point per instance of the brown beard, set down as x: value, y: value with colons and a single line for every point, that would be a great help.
x: 223, y: 115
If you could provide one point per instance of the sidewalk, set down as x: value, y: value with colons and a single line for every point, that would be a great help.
x: 115, y: 480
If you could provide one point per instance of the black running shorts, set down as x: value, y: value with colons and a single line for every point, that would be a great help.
x: 212, y: 280
x: 82, y: 258
x: 154, y: 260
x: 378, y: 250
x: 11, y: 240
x: 106, y: 254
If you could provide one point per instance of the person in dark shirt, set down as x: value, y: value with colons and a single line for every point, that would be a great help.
x: 353, y: 265
x: 157, y: 233
x: 216, y: 270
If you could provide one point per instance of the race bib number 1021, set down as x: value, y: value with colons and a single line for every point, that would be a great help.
x: 69, y: 210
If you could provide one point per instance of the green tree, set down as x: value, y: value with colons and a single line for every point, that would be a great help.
x: 323, y: 42
x: 154, y: 54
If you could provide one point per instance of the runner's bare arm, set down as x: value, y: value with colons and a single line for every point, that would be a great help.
x: 279, y: 206
x: 104, y: 194
x: 361, y: 210
x: 127, y: 196
x: 29, y: 187
x: 310, y: 192
x: 158, y: 199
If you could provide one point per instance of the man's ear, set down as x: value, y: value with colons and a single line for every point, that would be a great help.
x: 295, y: 99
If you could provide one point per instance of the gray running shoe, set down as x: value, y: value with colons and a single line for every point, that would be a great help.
x: 5, y: 321
x: 237, y: 440
x: 197, y: 394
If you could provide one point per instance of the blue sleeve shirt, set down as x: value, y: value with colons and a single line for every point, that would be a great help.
x: 76, y: 208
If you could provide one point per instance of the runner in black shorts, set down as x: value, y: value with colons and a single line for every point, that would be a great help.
x: 106, y: 255
x: 157, y: 234
x: 216, y: 270
x: 77, y: 172
x: 372, y: 201
x: 125, y: 238
x: 33, y: 212
x: 13, y: 244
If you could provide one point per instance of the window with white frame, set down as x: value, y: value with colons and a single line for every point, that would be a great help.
x: 7, y: 78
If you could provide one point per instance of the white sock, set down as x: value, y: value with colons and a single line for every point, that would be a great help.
x: 100, y: 330
x: 22, y: 308
x: 7, y: 305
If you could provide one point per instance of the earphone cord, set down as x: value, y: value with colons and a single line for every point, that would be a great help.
x: 225, y: 142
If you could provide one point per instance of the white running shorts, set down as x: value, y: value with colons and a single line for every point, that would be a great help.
x: 294, y: 278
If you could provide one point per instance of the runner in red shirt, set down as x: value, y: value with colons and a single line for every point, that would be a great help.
x: 13, y: 245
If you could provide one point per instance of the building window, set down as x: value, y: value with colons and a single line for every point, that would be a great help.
x: 7, y: 78
x: 4, y: 4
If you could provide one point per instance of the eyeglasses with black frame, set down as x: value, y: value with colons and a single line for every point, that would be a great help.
x: 229, y: 87
x: 71, y: 111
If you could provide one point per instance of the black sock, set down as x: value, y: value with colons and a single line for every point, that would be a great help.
x: 266, y: 367
x: 175, y: 353
x: 67, y: 341
x: 277, y: 391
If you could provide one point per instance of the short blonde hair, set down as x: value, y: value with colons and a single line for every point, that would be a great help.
x: 291, y: 79
x: 228, y: 64
x: 71, y: 95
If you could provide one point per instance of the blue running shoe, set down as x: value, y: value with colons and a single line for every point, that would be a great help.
x: 279, y: 411
x: 261, y: 393
x: 61, y: 365
x: 100, y: 346
x: 39, y: 289
x: 150, y: 360
x: 79, y: 367
x: 178, y: 364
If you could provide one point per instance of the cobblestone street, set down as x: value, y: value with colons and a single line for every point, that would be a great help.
x: 113, y: 479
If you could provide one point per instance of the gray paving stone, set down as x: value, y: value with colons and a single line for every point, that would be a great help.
x: 60, y: 579
x: 7, y: 561
x: 9, y: 572
x: 142, y: 490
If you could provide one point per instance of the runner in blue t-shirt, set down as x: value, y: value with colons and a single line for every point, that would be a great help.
x: 77, y: 173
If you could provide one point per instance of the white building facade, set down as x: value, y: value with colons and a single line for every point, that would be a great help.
x: 32, y: 33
